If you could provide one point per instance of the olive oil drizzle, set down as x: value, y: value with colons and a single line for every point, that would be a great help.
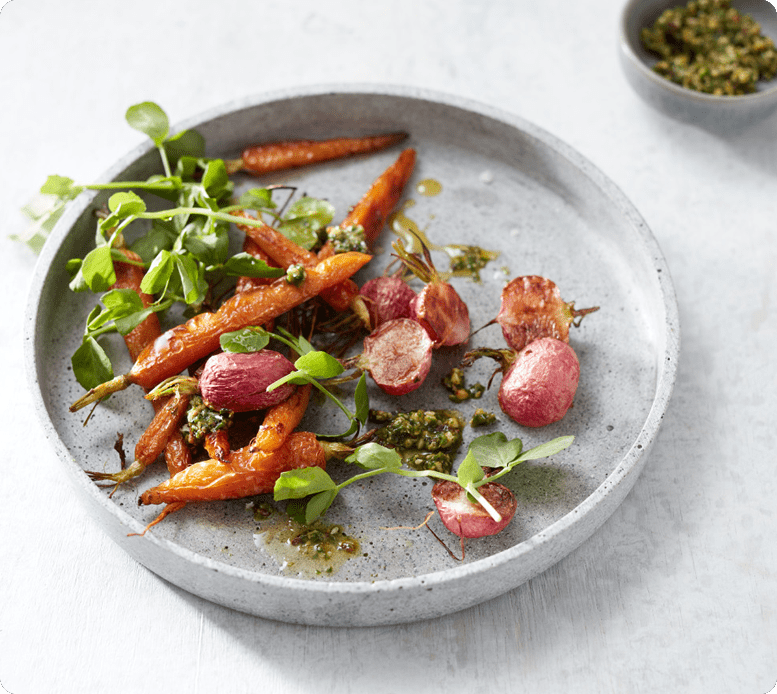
x: 465, y: 261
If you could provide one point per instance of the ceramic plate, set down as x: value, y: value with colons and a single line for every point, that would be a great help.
x: 505, y: 185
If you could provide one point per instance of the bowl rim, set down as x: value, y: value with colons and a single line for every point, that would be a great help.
x: 628, y: 51
x: 617, y: 483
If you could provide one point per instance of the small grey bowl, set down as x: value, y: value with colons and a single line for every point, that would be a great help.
x: 719, y: 112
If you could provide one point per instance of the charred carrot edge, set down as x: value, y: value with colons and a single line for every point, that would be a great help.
x: 217, y: 446
x: 248, y: 473
x: 372, y: 211
x: 281, y: 420
x: 291, y: 154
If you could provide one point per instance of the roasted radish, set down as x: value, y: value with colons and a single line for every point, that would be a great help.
x: 438, y: 306
x: 398, y: 356
x: 532, y: 308
x: 387, y: 298
x: 238, y: 381
x: 539, y: 382
x: 467, y: 518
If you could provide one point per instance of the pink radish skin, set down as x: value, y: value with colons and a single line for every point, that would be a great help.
x: 388, y: 298
x: 398, y: 356
x: 238, y: 381
x: 440, y: 309
x: 540, y: 385
x: 467, y: 519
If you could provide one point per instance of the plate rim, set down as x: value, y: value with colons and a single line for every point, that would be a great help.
x: 621, y: 478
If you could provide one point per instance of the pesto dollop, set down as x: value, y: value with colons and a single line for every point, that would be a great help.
x: 711, y: 47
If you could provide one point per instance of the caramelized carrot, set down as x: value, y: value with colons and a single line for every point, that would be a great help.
x: 216, y: 444
x: 184, y: 344
x: 290, y: 154
x: 285, y: 252
x: 372, y: 211
x: 281, y: 420
x: 247, y: 473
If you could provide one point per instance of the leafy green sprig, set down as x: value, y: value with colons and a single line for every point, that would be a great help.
x: 490, y: 450
x: 185, y: 250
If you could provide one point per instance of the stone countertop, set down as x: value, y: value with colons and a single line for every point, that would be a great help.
x: 676, y: 592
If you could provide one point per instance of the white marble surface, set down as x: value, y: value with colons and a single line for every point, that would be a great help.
x: 676, y: 592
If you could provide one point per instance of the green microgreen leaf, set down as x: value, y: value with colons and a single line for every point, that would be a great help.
x: 547, y: 449
x: 319, y: 504
x: 246, y: 265
x: 125, y: 204
x: 373, y: 456
x: 190, y: 274
x: 469, y: 472
x: 186, y: 143
x: 215, y: 179
x: 257, y: 199
x: 319, y: 365
x: 361, y: 400
x: 296, y: 484
x: 158, y: 274
x: 97, y: 269
x: 160, y: 237
x: 246, y: 340
x: 60, y: 187
x: 494, y: 450
x: 91, y: 366
x: 305, y: 218
x: 149, y: 118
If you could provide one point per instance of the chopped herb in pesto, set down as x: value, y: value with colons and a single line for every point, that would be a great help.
x: 201, y: 420
x: 710, y: 47
x: 350, y: 238
x: 420, y: 430
x: 481, y: 418
x: 295, y: 275
x: 459, y: 392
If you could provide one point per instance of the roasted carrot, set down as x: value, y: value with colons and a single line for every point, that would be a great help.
x: 281, y: 420
x: 285, y: 252
x: 290, y: 154
x: 129, y: 276
x: 247, y: 473
x: 216, y: 444
x: 162, y: 433
x: 184, y: 344
x: 372, y: 211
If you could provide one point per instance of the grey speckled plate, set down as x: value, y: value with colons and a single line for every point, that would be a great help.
x: 506, y: 185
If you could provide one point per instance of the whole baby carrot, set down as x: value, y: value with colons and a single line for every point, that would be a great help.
x: 184, y: 344
x: 247, y: 473
x: 290, y: 154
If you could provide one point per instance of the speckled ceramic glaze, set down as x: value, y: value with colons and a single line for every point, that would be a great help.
x: 715, y: 112
x: 507, y: 186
